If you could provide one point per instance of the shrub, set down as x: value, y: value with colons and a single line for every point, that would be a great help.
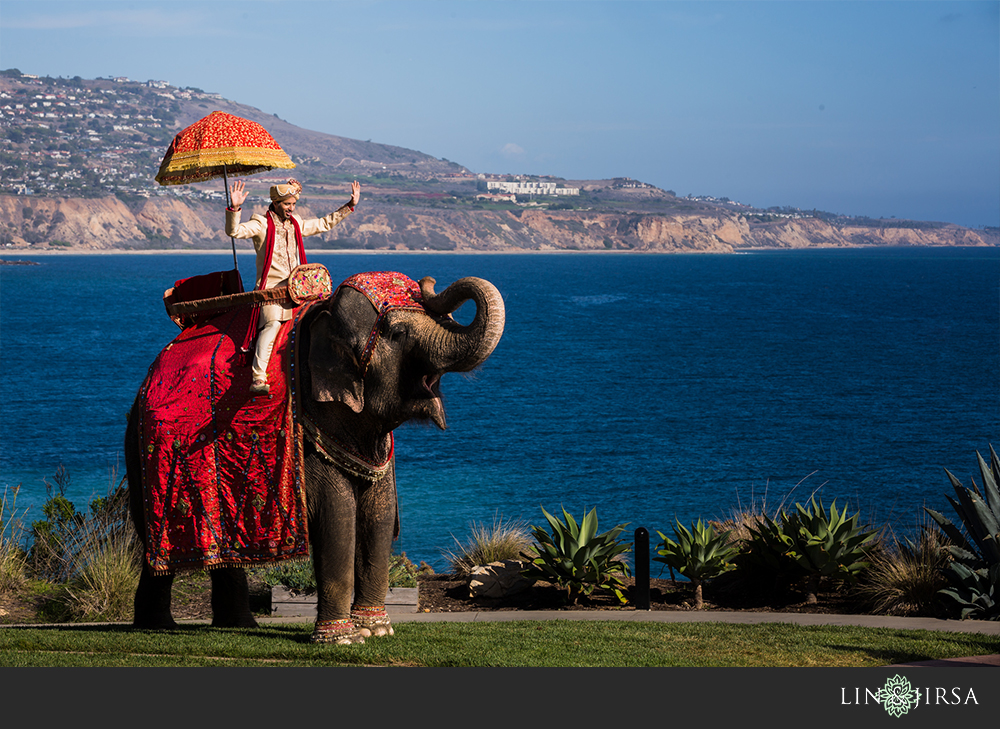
x: 52, y: 539
x: 297, y: 576
x: 974, y: 572
x: 300, y: 577
x: 402, y: 572
x: 500, y: 541
x: 12, y: 556
x: 698, y: 554
x: 577, y: 558
x: 94, y: 557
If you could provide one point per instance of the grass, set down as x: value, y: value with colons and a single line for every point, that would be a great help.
x: 557, y: 643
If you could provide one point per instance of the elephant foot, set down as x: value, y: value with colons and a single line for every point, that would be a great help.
x: 337, y: 632
x: 372, y: 621
x: 231, y: 599
x: 152, y: 602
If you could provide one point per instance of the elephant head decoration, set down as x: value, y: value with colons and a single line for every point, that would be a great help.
x: 368, y: 358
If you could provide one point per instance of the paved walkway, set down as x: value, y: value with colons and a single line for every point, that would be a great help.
x: 401, y: 604
x: 406, y: 615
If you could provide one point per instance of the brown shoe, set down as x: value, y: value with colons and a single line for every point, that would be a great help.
x: 260, y: 387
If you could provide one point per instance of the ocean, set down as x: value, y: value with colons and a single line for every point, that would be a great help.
x: 653, y: 388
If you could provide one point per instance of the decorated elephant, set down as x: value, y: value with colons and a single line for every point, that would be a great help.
x: 222, y: 479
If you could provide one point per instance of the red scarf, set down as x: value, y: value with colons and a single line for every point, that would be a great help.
x: 268, y: 254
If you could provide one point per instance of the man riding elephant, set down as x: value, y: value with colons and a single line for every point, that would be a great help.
x: 277, y: 238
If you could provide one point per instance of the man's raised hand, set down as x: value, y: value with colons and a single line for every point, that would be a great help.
x: 238, y: 193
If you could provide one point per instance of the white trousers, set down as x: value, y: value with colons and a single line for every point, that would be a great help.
x: 265, y: 343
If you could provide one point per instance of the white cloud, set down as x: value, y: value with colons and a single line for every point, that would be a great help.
x: 512, y: 150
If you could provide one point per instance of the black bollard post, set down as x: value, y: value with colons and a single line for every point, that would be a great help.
x: 641, y: 592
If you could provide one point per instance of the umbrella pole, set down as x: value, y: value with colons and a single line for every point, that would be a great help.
x: 229, y: 204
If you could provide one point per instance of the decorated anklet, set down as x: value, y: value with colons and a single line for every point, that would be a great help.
x: 338, y: 632
x: 371, y: 620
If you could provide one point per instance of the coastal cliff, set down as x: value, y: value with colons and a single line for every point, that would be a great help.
x: 108, y: 223
x: 83, y: 180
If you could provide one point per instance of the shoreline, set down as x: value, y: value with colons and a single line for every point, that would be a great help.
x: 381, y: 252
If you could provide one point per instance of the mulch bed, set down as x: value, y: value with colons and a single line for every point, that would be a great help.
x: 450, y: 593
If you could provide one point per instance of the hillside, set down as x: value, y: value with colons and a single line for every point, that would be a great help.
x: 78, y: 158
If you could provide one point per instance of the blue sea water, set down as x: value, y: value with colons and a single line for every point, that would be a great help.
x: 652, y: 387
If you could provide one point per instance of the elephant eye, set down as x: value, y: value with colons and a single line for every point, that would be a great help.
x: 397, y: 334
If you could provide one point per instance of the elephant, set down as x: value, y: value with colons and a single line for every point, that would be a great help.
x: 364, y: 372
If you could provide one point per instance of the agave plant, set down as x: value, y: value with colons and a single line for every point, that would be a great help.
x: 699, y: 554
x: 819, y: 543
x: 768, y: 548
x: 975, y: 571
x: 575, y: 557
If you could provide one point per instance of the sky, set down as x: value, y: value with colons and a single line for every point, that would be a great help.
x: 883, y: 109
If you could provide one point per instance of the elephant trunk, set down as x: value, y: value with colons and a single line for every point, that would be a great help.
x: 463, y: 348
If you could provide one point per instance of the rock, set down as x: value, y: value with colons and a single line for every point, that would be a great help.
x: 498, y: 579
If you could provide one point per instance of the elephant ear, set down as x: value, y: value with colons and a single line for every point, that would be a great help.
x: 334, y: 370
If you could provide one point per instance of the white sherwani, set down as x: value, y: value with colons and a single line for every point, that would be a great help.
x: 284, y: 258
x: 286, y: 251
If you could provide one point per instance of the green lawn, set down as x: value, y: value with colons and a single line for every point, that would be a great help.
x: 554, y: 643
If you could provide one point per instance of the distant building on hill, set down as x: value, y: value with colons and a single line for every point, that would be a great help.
x: 531, y: 188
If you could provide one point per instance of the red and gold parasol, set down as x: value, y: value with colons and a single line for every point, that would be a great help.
x: 216, y: 146
x: 220, y: 145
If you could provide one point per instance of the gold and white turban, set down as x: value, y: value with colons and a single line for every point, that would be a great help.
x: 293, y: 188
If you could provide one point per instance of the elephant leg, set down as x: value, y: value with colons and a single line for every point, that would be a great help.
x: 152, y: 596
x: 376, y: 524
x: 152, y: 601
x: 231, y: 599
x: 332, y: 531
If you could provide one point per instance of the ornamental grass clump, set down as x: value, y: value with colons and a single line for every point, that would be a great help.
x: 106, y: 578
x: 12, y: 556
x: 102, y: 560
x: 497, y: 542
x: 578, y: 559
x: 698, y: 553
x: 92, y: 558
x: 974, y: 572
x: 905, y: 575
